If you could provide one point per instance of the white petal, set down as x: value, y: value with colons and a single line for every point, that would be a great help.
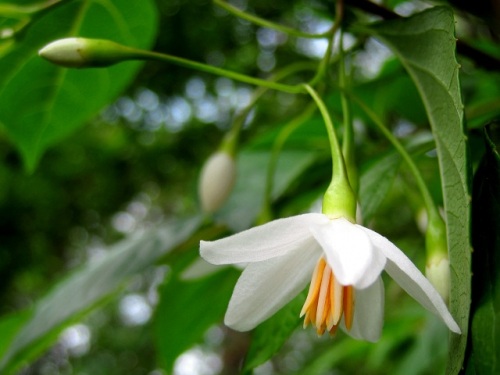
x: 349, y: 252
x: 402, y: 269
x: 264, y: 242
x: 368, y: 312
x: 264, y: 287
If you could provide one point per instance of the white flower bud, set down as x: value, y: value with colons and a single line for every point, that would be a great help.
x: 84, y: 52
x: 437, y: 271
x: 216, y: 181
x: 65, y: 52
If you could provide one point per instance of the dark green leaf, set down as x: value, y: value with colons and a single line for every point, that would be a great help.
x: 270, y: 336
x: 425, y: 43
x: 188, y: 308
x: 9, y: 325
x: 91, y: 284
x: 40, y: 103
x: 427, y: 353
x: 485, y: 311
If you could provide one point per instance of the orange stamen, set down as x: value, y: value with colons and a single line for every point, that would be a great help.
x: 348, y: 305
x: 314, y: 287
x: 327, y: 301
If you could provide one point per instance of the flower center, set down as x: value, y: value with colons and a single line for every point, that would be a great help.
x: 327, y: 301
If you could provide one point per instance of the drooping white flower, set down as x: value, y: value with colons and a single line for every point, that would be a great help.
x: 346, y: 261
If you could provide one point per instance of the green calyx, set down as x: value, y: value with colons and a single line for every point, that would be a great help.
x: 340, y: 201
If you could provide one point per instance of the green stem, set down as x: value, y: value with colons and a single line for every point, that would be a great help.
x: 348, y: 136
x: 328, y: 54
x: 278, y: 76
x: 337, y: 158
x: 339, y: 199
x: 149, y: 55
x: 265, y: 23
x: 232, y: 136
x: 431, y: 208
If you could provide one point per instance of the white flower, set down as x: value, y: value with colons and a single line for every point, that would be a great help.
x: 216, y: 181
x: 346, y: 261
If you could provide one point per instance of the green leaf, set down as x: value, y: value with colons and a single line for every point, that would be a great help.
x: 426, y: 354
x: 188, y: 308
x: 245, y: 202
x: 41, y: 103
x: 9, y: 326
x: 485, y: 312
x: 91, y: 284
x: 348, y: 351
x: 425, y: 43
x: 375, y: 182
x: 270, y: 335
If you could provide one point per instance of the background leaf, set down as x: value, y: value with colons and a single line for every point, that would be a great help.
x: 245, y: 202
x: 270, y: 335
x: 91, y: 284
x: 178, y: 325
x: 378, y: 174
x: 38, y: 99
x: 425, y: 44
x: 485, y: 348
x: 9, y: 325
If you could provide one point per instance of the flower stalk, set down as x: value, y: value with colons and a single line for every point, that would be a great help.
x: 325, y: 61
x: 92, y: 53
x: 339, y: 199
x: 348, y: 135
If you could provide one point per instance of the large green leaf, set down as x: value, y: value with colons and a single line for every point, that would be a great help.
x: 270, y: 335
x: 485, y: 331
x: 9, y: 326
x: 425, y: 43
x: 178, y: 325
x: 40, y: 103
x: 91, y: 284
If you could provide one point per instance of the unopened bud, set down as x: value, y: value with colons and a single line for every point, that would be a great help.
x: 85, y: 53
x: 437, y: 267
x: 216, y: 181
x: 437, y: 271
